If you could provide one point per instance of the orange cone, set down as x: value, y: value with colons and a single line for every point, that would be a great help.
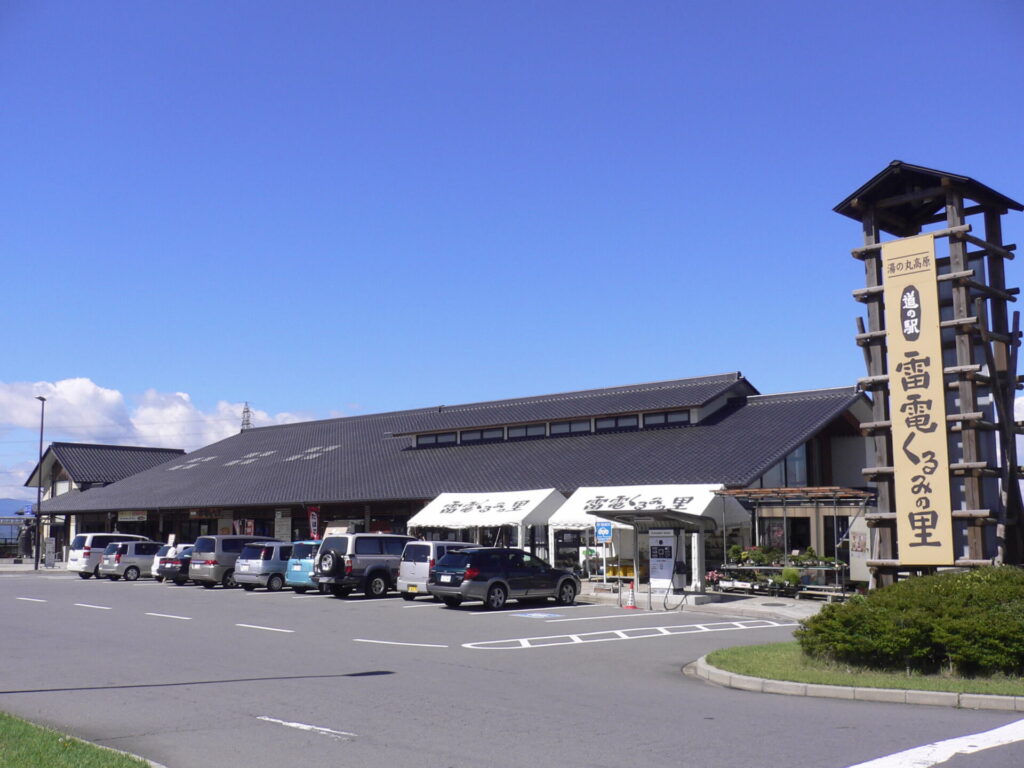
x: 631, y: 600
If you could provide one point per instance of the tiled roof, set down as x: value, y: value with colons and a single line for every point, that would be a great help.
x: 371, y: 458
x: 678, y: 393
x: 87, y: 463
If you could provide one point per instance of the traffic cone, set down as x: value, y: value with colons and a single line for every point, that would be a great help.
x: 631, y: 600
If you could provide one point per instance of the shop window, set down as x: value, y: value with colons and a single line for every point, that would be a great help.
x: 796, y: 468
x: 666, y: 419
x: 606, y: 423
x: 429, y: 441
x: 785, y: 534
x: 559, y: 428
x: 837, y: 527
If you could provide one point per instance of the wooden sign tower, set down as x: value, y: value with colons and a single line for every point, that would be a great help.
x: 940, y: 346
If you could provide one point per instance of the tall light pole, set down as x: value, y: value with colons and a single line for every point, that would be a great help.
x: 39, y: 485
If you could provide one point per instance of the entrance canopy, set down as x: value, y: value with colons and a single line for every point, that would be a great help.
x: 691, y: 507
x: 485, y: 510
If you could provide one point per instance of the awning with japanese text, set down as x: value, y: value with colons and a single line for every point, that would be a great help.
x: 484, y: 510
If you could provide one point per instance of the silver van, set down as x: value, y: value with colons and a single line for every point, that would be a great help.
x: 213, y: 559
x: 367, y: 562
x: 418, y: 560
x: 262, y: 564
x: 87, y: 548
x: 130, y: 559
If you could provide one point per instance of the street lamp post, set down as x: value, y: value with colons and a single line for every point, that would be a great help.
x: 39, y: 484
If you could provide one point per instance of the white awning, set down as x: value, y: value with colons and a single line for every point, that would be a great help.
x: 472, y: 510
x: 650, y: 506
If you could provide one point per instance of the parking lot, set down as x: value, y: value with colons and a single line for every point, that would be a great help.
x: 189, y: 676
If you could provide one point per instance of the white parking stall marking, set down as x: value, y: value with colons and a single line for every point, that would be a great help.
x: 170, y: 616
x: 632, y: 633
x: 342, y: 735
x: 30, y: 599
x: 392, y: 642
x: 97, y: 607
x: 623, y: 615
x: 268, y: 629
x: 941, y: 751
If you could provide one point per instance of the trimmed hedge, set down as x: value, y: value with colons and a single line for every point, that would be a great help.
x: 970, y: 623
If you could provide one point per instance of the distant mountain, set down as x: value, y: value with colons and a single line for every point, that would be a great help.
x: 9, y: 506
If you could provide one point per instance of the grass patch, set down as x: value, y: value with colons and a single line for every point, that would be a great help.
x: 785, y: 661
x: 24, y: 745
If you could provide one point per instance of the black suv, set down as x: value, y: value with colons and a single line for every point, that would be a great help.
x: 495, y: 574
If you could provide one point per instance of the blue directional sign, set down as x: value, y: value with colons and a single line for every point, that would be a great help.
x: 602, y: 532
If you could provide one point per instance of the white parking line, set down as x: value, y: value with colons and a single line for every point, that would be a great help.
x: 632, y: 633
x: 30, y: 599
x: 391, y: 642
x: 268, y: 629
x: 942, y: 751
x: 97, y: 607
x: 170, y: 616
x: 343, y: 735
x: 629, y: 615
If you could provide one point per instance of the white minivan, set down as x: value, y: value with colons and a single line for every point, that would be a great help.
x: 418, y: 560
x: 87, y: 548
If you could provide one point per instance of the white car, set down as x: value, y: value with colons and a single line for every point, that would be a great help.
x: 86, y: 550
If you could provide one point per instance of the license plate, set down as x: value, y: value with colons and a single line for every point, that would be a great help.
x: 243, y: 566
x: 413, y: 588
x: 446, y: 577
x: 296, y: 567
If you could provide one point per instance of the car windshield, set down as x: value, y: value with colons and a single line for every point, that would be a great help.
x: 256, y: 552
x: 205, y: 545
x: 416, y: 553
x: 163, y: 550
x: 78, y: 542
x: 304, y: 551
x: 337, y: 544
x: 185, y: 552
x: 454, y: 560
x: 111, y: 549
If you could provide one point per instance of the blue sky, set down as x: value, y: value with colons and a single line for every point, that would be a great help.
x: 331, y: 208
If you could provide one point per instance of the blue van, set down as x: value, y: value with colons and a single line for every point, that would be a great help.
x: 299, y: 573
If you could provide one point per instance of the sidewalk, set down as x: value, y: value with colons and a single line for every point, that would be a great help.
x: 755, y: 607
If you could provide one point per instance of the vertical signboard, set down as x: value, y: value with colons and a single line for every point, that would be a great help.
x: 917, y: 403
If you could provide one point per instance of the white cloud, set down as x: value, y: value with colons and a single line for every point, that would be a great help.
x: 79, y: 410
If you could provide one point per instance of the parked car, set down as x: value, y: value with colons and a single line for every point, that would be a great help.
x: 86, y: 550
x: 167, y: 550
x: 213, y: 559
x: 495, y: 574
x: 367, y: 562
x: 299, y: 574
x: 175, y: 567
x: 418, y: 560
x: 263, y: 564
x: 130, y: 559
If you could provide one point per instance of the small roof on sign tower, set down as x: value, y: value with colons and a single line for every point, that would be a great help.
x: 906, y: 197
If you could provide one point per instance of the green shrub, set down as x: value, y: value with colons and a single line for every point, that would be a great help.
x: 968, y: 622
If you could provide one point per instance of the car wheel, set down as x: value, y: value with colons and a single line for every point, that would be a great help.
x: 327, y: 563
x: 339, y: 591
x: 452, y: 602
x: 566, y: 593
x: 496, y: 597
x: 209, y: 584
x: 131, y: 574
x: 179, y: 581
x: 376, y: 586
x: 248, y: 587
x: 228, y: 581
x: 408, y: 596
x: 300, y: 590
x: 275, y: 583
x: 84, y: 575
x: 113, y: 578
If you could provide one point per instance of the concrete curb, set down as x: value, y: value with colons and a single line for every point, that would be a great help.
x: 701, y: 669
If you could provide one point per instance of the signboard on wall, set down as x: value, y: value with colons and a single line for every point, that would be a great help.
x: 917, y: 403
x: 283, y: 524
x: 125, y: 516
